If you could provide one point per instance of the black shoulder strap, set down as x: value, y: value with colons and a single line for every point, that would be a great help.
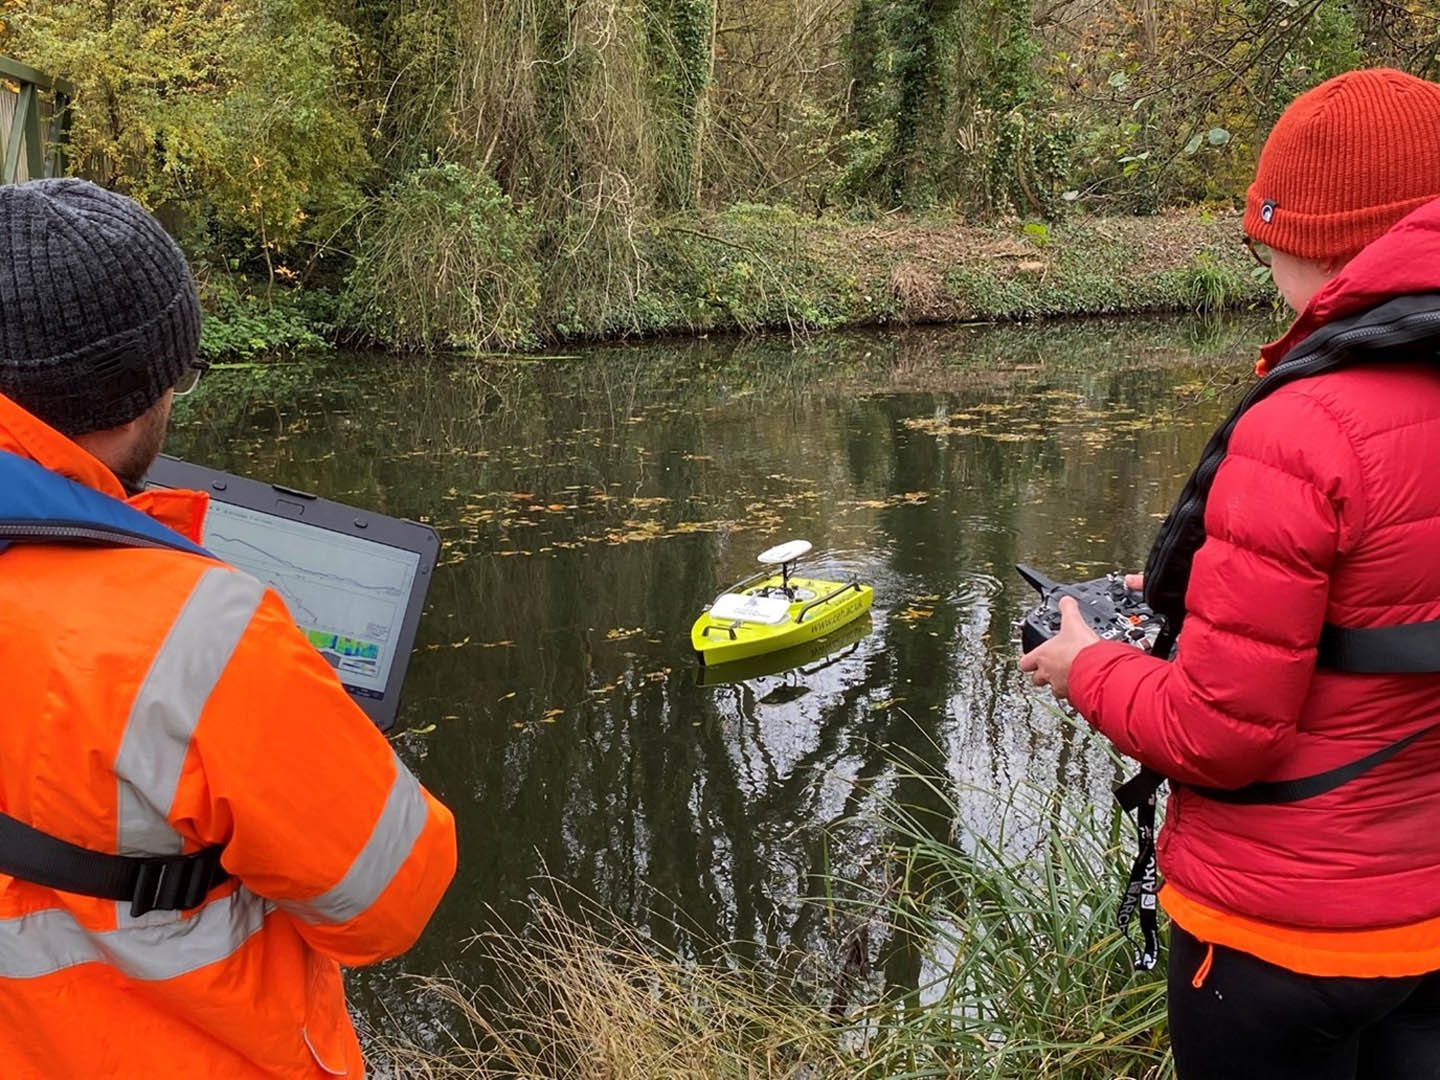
x: 1380, y: 650
x: 170, y: 883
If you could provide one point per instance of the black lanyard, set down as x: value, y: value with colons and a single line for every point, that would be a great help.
x: 1141, y: 794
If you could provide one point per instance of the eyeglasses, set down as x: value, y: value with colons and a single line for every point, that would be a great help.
x: 1264, y: 253
x: 191, y: 378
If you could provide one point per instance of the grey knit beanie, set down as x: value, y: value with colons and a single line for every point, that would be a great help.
x: 98, y: 312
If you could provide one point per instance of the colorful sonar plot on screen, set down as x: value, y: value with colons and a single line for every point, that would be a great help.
x: 347, y: 655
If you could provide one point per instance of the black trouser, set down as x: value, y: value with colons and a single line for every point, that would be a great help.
x: 1249, y: 1019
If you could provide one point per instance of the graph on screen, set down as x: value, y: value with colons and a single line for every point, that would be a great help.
x: 347, y: 594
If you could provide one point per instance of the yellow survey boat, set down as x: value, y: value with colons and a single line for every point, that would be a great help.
x: 772, y: 610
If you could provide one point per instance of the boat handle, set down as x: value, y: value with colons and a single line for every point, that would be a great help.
x: 730, y: 628
x: 800, y: 615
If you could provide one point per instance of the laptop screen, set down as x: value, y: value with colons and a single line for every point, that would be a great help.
x: 346, y: 593
x: 353, y: 580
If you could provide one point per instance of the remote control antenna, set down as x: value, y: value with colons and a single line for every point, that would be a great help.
x: 1042, y: 584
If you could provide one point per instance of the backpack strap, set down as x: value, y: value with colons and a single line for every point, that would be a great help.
x: 1409, y: 648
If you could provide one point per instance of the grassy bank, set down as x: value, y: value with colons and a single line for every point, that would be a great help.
x: 442, y: 274
x: 1023, y: 976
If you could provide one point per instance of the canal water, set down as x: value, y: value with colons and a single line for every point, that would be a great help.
x: 591, y: 505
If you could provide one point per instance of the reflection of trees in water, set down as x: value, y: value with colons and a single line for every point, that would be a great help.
x: 706, y: 811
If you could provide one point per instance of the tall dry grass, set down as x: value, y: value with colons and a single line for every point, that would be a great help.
x: 1023, y: 975
x: 596, y: 999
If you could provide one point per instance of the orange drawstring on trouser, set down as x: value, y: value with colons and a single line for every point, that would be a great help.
x: 1199, y: 980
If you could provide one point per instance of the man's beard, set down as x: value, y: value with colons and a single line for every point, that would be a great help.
x: 149, y: 439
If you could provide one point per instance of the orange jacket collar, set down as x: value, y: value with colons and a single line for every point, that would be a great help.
x: 29, y: 437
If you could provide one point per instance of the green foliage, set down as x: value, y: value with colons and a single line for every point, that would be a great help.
x: 921, y: 37
x: 679, y: 34
x: 602, y: 141
x: 1210, y: 285
x: 445, y: 257
x: 242, y: 323
x: 235, y: 118
x: 1175, y: 109
x: 1092, y: 273
x: 951, y: 109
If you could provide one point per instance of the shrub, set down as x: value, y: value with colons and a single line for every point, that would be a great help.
x: 241, y: 324
x: 445, y: 258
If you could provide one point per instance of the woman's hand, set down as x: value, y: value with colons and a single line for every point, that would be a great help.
x: 1049, y: 664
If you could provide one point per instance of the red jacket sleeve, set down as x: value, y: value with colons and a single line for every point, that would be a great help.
x: 1286, y: 502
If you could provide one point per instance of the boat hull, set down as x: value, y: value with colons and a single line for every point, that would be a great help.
x: 807, y: 658
x: 725, y: 640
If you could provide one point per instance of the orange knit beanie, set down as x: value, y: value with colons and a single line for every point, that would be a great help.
x: 1345, y: 162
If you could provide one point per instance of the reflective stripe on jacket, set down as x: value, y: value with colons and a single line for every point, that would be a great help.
x: 159, y: 702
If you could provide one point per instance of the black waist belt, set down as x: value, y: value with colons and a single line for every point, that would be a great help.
x: 1381, y: 650
x: 1141, y: 792
x: 150, y: 883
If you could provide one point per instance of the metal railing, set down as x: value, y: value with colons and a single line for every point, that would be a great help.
x: 31, y: 101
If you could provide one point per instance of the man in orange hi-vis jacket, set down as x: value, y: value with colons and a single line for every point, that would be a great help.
x: 160, y: 703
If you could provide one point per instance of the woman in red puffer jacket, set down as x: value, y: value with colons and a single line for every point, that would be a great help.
x: 1305, y: 935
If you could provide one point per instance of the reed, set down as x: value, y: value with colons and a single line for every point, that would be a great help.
x: 1026, y: 975
x: 1023, y: 975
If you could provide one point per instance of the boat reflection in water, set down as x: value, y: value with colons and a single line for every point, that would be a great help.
x: 807, y: 659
